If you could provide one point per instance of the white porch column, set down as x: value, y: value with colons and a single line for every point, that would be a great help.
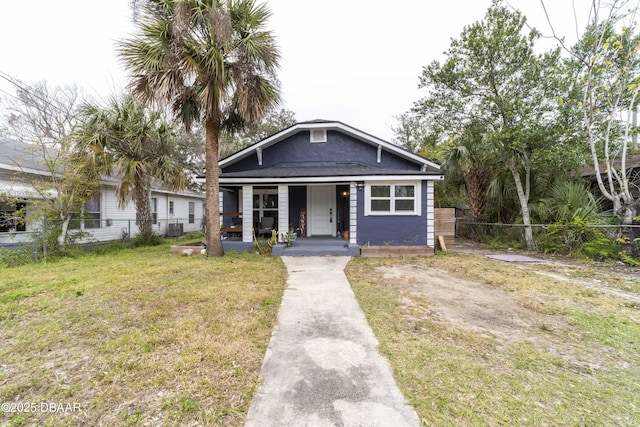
x: 247, y: 213
x: 430, y: 215
x: 353, y: 212
x: 283, y: 209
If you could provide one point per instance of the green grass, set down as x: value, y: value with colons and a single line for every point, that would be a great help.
x: 582, y: 367
x: 137, y: 337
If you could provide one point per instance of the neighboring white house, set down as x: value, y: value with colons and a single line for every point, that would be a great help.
x: 173, y: 212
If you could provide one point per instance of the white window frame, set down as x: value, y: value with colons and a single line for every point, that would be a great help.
x: 96, y: 215
x: 192, y: 212
x: 154, y: 210
x: 417, y: 199
x: 262, y: 209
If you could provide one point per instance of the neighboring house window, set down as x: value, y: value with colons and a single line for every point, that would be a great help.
x: 12, y: 216
x: 89, y: 216
x: 392, y: 199
x: 154, y: 210
x: 92, y: 212
x: 192, y: 212
x: 170, y: 207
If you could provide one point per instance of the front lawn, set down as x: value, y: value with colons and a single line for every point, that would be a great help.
x: 474, y: 341
x: 136, y: 337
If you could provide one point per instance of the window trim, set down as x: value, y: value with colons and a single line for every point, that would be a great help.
x: 417, y: 198
x: 262, y: 210
x: 154, y: 210
x: 91, y: 217
x: 192, y: 212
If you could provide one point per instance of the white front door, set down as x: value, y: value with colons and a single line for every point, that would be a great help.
x: 322, y: 209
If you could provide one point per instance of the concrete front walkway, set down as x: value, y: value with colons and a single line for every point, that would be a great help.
x: 322, y: 367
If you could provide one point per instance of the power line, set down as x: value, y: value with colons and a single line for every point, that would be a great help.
x: 17, y: 83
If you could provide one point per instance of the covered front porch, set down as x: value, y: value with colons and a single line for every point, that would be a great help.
x: 322, y: 210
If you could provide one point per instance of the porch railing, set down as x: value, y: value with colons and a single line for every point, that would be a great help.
x: 231, y: 228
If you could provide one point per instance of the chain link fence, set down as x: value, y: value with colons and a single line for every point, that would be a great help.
x: 594, y: 241
x: 39, y: 238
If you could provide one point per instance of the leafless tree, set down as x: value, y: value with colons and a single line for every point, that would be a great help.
x: 45, y: 117
x: 607, y: 79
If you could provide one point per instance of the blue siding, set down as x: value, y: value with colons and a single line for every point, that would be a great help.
x: 339, y: 148
x: 297, y: 201
x: 392, y: 230
x: 230, y: 204
x: 342, y: 208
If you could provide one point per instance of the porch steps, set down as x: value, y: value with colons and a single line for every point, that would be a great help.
x: 318, y: 246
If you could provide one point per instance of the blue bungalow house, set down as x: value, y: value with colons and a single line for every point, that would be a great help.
x: 325, y: 178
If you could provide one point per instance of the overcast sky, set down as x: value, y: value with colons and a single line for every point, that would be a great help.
x: 355, y: 61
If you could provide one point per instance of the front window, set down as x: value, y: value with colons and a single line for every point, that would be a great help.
x: 265, y: 204
x: 392, y: 199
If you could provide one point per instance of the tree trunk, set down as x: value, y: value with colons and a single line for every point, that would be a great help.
x: 478, y: 181
x: 62, y: 237
x: 142, y: 200
x: 212, y: 176
x: 524, y: 207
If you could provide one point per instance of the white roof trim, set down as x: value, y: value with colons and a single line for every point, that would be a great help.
x: 332, y: 179
x: 329, y: 126
x: 189, y: 195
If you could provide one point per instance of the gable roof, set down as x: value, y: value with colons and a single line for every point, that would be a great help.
x: 330, y: 125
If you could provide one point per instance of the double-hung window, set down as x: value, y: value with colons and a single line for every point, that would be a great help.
x: 92, y: 212
x: 192, y: 212
x: 154, y: 210
x: 392, y: 199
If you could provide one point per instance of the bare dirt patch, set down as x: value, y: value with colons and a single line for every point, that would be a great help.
x: 465, y: 303
x: 434, y: 295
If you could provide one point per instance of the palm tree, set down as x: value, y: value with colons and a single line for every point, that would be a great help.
x: 210, y: 61
x: 568, y: 201
x: 127, y: 140
x: 468, y: 162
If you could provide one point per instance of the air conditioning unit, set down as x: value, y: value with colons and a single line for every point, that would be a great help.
x: 175, y: 229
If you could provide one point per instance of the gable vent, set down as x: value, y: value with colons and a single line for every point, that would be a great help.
x: 318, y: 135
